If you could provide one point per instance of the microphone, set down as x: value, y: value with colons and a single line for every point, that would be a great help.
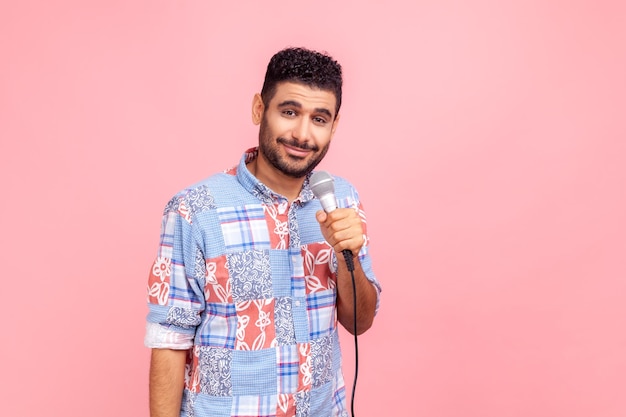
x: 323, y: 187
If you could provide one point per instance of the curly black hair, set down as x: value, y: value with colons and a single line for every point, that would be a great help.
x: 303, y: 66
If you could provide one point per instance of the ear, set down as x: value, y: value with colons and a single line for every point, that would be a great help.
x: 334, y: 126
x: 257, y: 109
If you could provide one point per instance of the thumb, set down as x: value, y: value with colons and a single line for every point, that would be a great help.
x: 321, y: 216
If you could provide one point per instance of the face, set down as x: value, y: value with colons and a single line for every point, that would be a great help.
x: 296, y: 128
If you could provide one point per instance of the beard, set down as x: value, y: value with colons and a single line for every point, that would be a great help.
x: 289, y: 165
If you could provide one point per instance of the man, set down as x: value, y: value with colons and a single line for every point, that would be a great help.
x: 247, y: 287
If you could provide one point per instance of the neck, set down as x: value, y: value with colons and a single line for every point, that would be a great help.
x: 278, y: 182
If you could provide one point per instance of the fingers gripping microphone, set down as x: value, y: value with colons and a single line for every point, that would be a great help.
x: 323, y: 186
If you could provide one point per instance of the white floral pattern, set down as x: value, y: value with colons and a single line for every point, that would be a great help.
x: 254, y: 325
x: 159, y: 282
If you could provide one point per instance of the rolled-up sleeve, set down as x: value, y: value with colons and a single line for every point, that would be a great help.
x: 175, y: 283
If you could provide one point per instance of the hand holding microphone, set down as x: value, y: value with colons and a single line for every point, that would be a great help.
x: 341, y: 227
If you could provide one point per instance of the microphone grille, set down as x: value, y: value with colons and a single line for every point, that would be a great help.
x: 322, y: 183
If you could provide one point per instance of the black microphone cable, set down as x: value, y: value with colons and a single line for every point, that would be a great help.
x: 350, y: 264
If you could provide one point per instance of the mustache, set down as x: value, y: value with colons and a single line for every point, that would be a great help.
x: 295, y: 144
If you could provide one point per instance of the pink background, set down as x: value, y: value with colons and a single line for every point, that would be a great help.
x: 488, y: 141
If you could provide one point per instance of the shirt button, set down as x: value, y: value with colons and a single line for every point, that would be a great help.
x: 297, y: 303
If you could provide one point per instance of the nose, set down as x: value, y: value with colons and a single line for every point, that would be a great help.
x: 302, y: 129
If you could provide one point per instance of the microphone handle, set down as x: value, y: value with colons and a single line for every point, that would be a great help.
x: 347, y: 255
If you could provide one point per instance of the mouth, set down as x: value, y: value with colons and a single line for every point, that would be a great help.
x: 298, y: 151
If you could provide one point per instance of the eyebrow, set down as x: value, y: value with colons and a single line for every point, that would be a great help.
x: 293, y: 103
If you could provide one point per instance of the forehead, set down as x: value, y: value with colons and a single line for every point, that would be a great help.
x: 307, y: 97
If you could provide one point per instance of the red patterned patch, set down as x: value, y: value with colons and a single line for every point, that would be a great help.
x: 255, y: 325
x: 278, y: 225
x: 317, y: 267
x: 304, y: 369
x: 286, y: 406
x: 218, y: 285
x: 159, y: 281
x: 183, y: 210
x: 192, y: 371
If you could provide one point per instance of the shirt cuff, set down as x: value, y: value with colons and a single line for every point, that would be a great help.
x: 161, y: 337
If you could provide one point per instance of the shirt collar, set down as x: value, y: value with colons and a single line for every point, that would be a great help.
x: 262, y: 191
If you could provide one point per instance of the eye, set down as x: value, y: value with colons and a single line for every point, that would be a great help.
x: 289, y: 113
x: 319, y: 120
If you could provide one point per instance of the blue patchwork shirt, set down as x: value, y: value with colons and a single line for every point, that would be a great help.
x: 245, y: 281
